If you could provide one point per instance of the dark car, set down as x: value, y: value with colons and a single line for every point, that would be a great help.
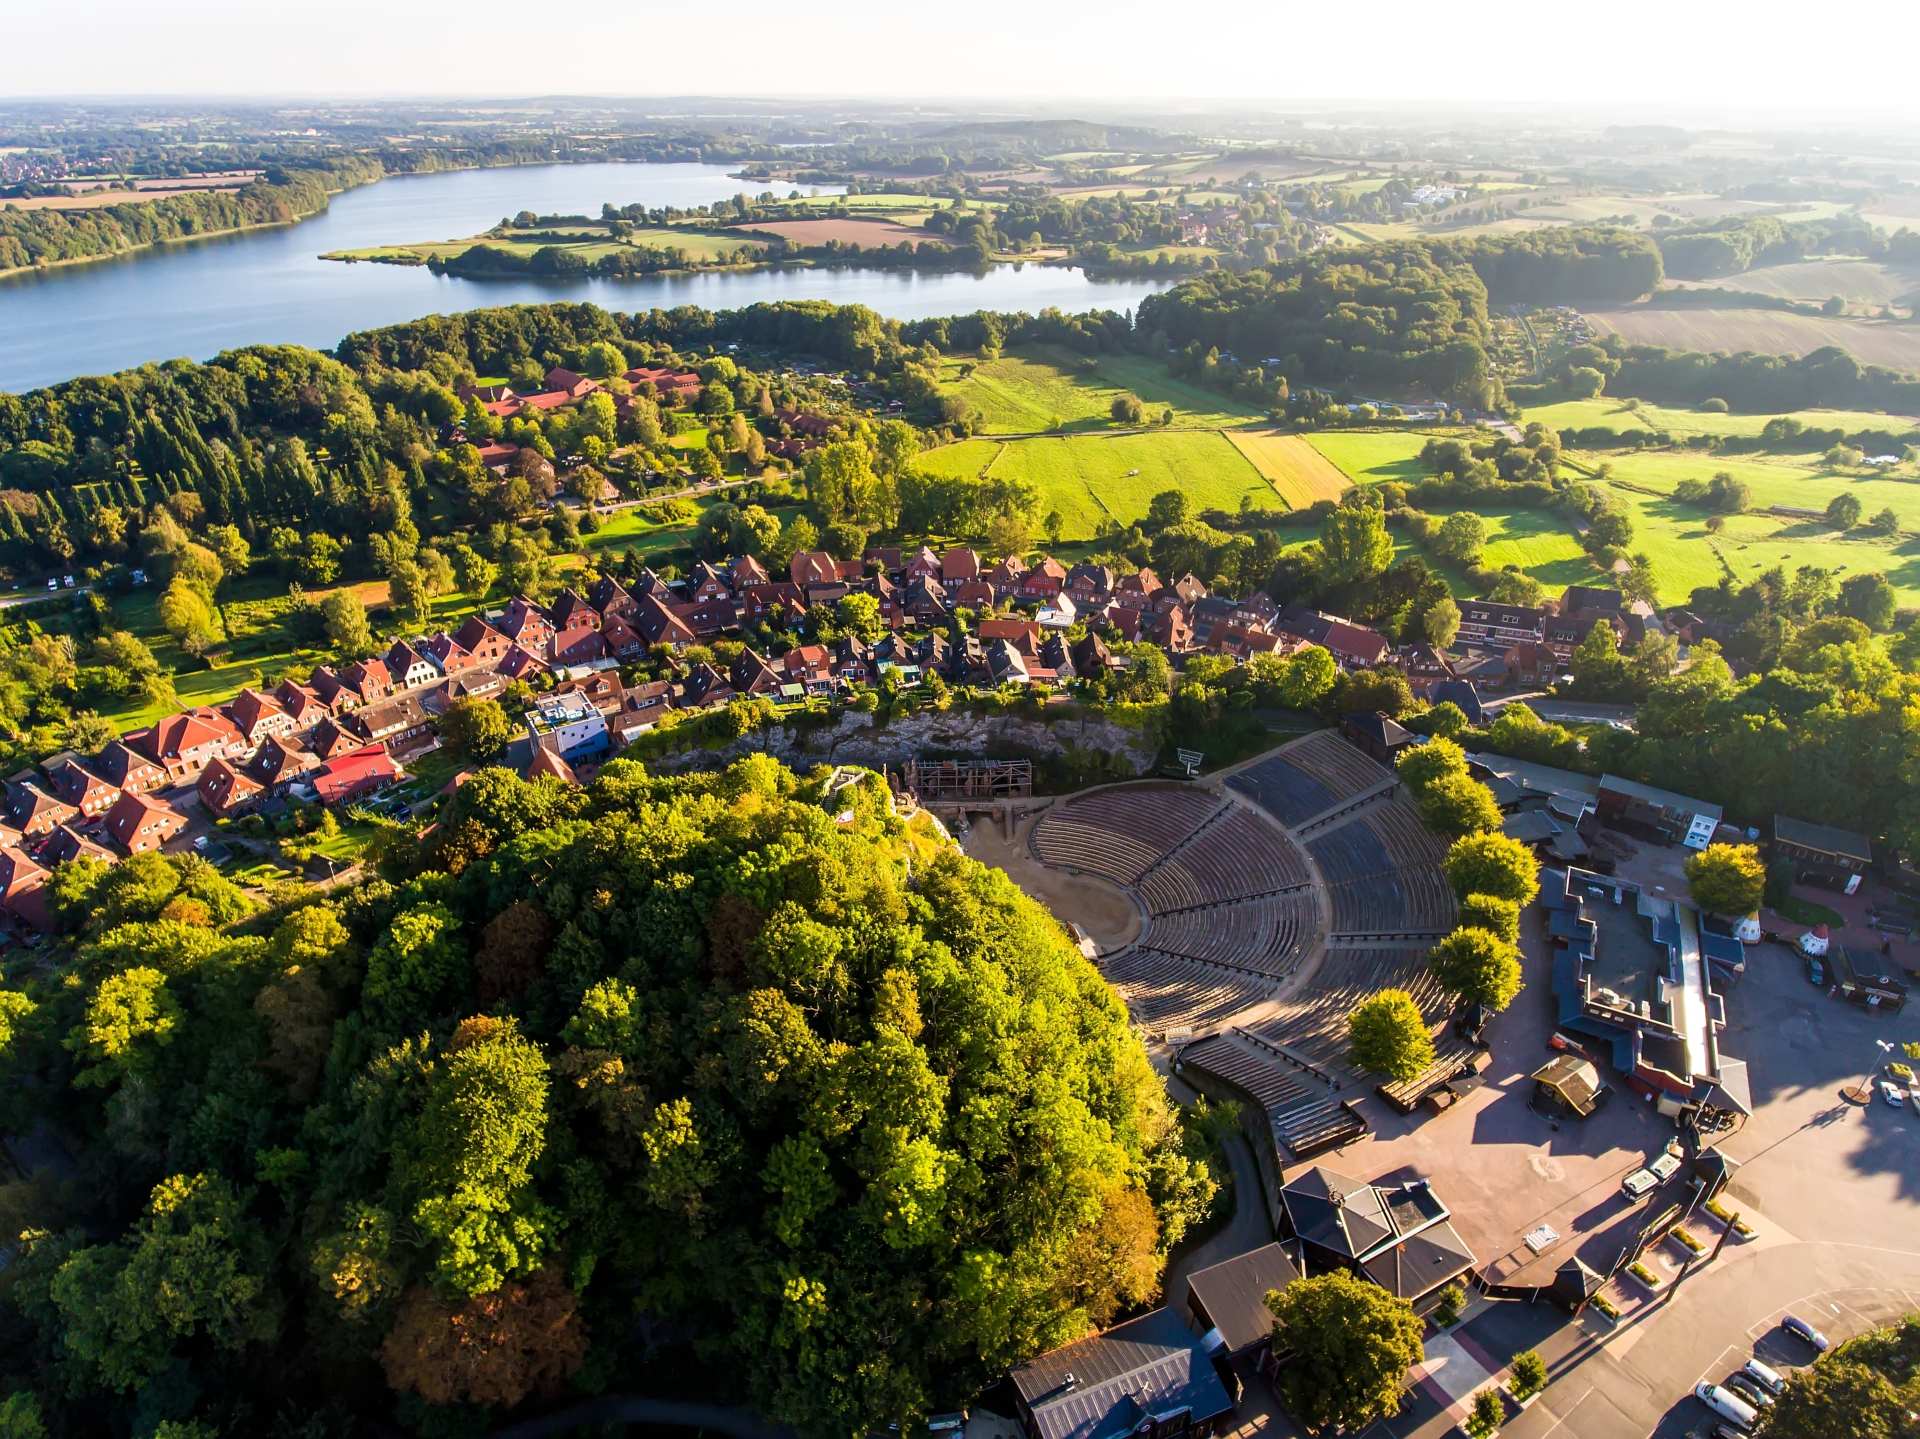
x: 1749, y: 1389
x: 1800, y: 1329
x: 1816, y: 972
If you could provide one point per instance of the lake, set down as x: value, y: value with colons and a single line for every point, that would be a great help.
x: 270, y: 286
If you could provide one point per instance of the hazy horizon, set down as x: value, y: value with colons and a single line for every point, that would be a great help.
x: 1657, y: 57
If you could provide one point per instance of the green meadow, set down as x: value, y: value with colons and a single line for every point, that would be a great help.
x: 1028, y: 392
x: 1087, y: 478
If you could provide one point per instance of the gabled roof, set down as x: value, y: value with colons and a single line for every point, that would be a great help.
x: 1105, y: 1386
x: 1823, y: 838
x: 250, y: 706
x: 1233, y: 1294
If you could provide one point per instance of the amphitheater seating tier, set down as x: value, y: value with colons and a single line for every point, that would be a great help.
x: 1120, y: 833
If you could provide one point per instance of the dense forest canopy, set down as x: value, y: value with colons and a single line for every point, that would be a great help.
x: 734, y: 1062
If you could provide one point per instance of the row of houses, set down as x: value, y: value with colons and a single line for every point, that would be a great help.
x: 1539, y: 640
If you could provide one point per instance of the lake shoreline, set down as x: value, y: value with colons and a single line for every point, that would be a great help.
x: 133, y: 251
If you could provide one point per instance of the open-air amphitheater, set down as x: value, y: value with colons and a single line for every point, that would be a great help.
x: 1273, y: 899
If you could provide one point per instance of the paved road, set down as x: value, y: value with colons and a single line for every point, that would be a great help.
x: 1248, y: 1229
x: 1565, y: 711
x: 34, y: 596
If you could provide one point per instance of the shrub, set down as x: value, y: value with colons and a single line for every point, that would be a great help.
x: 1489, y: 1412
x: 1606, y: 1306
x: 1529, y: 1372
x: 1645, y: 1275
x: 1688, y: 1241
x: 1453, y: 1300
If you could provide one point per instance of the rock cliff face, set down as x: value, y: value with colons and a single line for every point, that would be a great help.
x: 852, y: 738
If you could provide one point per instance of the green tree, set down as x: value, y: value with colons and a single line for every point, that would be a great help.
x: 859, y: 614
x: 1493, y: 864
x: 1727, y: 879
x: 1478, y: 965
x: 130, y: 1018
x: 1167, y: 509
x: 1422, y: 764
x: 1126, y: 410
x: 474, y: 572
x: 412, y: 599
x: 345, y: 619
x: 1310, y: 675
x: 1486, y: 911
x: 1389, y: 1036
x: 1461, y: 537
x: 1350, y: 1344
x: 1459, y: 804
x: 1440, y: 622
x: 1870, y: 599
x: 1354, y: 543
x: 477, y: 728
x: 1843, y: 511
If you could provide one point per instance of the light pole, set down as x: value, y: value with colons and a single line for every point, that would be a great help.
x: 1862, y: 1093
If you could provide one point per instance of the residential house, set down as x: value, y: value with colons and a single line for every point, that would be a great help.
x: 926, y: 602
x: 661, y: 626
x: 1004, y: 576
x: 81, y: 787
x: 126, y: 769
x: 279, y: 762
x: 548, y: 763
x: 353, y: 774
x: 958, y: 564
x: 853, y: 661
x: 810, y: 667
x: 579, y: 645
x: 566, y: 382
x: 704, y: 686
x: 817, y: 567
x: 1136, y: 591
x: 571, y: 725
x: 621, y: 639
x: 67, y: 844
x: 1353, y: 647
x: 367, y: 681
x: 745, y: 570
x: 753, y: 675
x: 33, y: 810
x: 184, y: 744
x: 227, y: 790
x: 610, y: 597
x: 487, y: 645
x: 409, y: 668
x: 778, y: 603
x: 23, y: 889
x: 526, y: 625
x: 450, y: 657
x: 571, y: 611
x: 1091, y: 657
x: 1045, y: 581
x: 973, y: 594
x: 139, y: 823
x: 521, y: 664
x: 301, y: 704
x: 398, y: 723
x: 331, y: 739
x: 1089, y: 584
x: 1490, y: 625
x: 257, y: 715
x: 924, y: 565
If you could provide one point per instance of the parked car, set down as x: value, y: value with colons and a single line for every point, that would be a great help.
x: 1800, y: 1329
x: 1893, y: 1093
x: 1750, y: 1389
x: 1726, y: 1404
x: 1766, y: 1376
x: 1665, y: 1167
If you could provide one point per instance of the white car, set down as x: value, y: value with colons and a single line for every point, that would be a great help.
x: 1893, y: 1093
x: 1665, y: 1167
x: 1726, y: 1404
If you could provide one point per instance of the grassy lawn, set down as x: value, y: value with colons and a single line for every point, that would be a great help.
x: 1615, y: 415
x: 1799, y: 482
x: 1370, y: 456
x: 1028, y: 392
x: 589, y: 243
x: 1087, y: 478
x: 1810, y: 913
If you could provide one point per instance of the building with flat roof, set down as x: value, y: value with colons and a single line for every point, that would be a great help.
x: 1636, y: 972
x: 570, y: 725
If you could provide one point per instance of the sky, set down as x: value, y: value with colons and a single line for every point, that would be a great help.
x: 1760, y: 57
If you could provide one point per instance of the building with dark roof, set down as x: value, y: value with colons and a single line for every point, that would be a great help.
x: 1820, y: 847
x: 1150, y: 1376
x: 1229, y: 1299
x: 1659, y: 813
x: 1400, y: 1236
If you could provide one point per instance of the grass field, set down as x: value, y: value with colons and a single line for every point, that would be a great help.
x: 1028, y: 392
x: 1862, y: 281
x: 1770, y: 332
x: 1298, y: 472
x: 1801, y: 482
x: 1088, y: 478
x: 697, y: 244
x: 868, y: 234
x: 1369, y: 456
x: 1614, y: 415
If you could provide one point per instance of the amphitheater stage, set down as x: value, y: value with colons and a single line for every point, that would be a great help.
x: 1103, y: 910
